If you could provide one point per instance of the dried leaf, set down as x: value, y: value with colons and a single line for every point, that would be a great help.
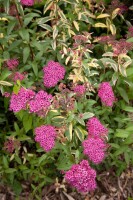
x: 68, y: 196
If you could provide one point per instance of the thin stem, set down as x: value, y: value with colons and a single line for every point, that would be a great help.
x: 32, y: 54
x: 20, y: 22
x: 2, y: 47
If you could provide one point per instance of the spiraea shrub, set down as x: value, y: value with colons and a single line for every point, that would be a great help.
x: 66, y: 81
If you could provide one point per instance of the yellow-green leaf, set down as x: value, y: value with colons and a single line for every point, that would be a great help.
x: 76, y: 25
x: 103, y: 16
x: 5, y: 83
x: 115, y: 12
x: 70, y: 129
x: 113, y: 29
x: 100, y: 25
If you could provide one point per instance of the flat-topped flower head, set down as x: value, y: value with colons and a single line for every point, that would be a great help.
x: 40, y: 103
x: 79, y: 89
x: 82, y: 177
x: 94, y: 148
x: 19, y: 101
x: 106, y: 94
x: 130, y: 31
x: 46, y: 135
x: 27, y: 2
x: 95, y: 128
x: 12, y: 64
x: 18, y: 76
x: 53, y: 73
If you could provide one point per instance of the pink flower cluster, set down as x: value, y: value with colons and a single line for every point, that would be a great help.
x: 79, y: 89
x: 18, y: 76
x: 94, y: 148
x: 106, y: 94
x: 11, y: 144
x: 36, y: 102
x: 117, y: 4
x: 130, y: 30
x: 82, y: 177
x: 95, y: 128
x: 106, y: 39
x: 27, y: 2
x: 46, y: 136
x: 80, y: 38
x: 121, y: 46
x: 53, y: 73
x: 19, y: 101
x: 12, y: 64
x: 40, y: 103
x: 94, y: 145
x: 6, y: 94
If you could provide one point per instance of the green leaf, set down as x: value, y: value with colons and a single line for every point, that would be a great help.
x: 24, y: 34
x: 24, y: 138
x: 127, y: 157
x: 5, y: 74
x: 80, y: 120
x: 16, y: 128
x: 27, y: 122
x: 17, y: 187
x: 11, y: 27
x: 122, y: 134
x: 44, y: 20
x: 55, y: 32
x: 16, y: 89
x: 70, y: 130
x: 26, y: 53
x: 14, y: 44
x: 121, y: 150
x: 128, y: 108
x: 116, y: 146
x: 42, y: 158
x: 5, y: 162
x: 35, y: 68
x: 87, y: 115
x: 58, y: 119
x: 47, y: 27
x: 130, y: 39
x: 123, y: 94
x: 79, y: 132
x: 64, y: 163
x: 27, y: 20
x: 10, y: 170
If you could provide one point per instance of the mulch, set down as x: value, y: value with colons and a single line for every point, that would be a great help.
x: 109, y: 187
